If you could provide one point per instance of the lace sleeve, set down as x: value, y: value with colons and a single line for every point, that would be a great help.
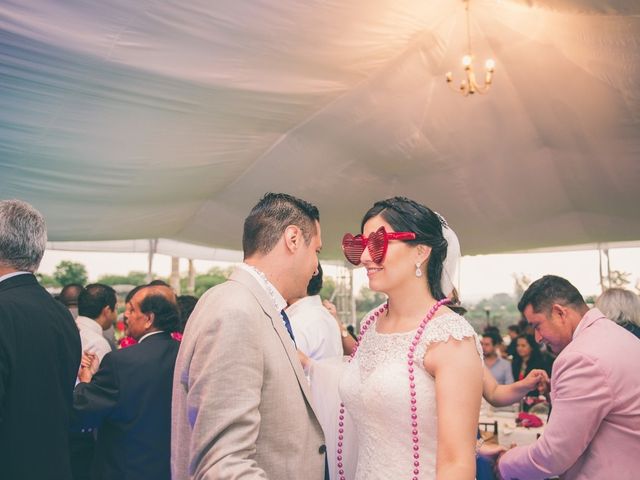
x: 444, y: 327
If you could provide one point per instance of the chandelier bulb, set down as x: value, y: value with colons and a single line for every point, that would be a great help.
x: 490, y: 65
x: 466, y: 60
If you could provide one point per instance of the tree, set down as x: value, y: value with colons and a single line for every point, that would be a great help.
x: 70, y: 272
x: 328, y: 287
x: 47, y: 280
x: 204, y: 282
x: 619, y: 279
x: 132, y: 278
x: 367, y: 300
x: 520, y: 283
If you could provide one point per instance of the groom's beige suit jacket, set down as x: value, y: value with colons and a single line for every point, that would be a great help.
x: 240, y: 398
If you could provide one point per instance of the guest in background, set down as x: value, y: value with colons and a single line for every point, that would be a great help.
x: 621, y: 306
x: 96, y: 313
x: 594, y: 430
x: 69, y: 297
x: 494, y: 332
x: 39, y: 355
x: 499, y: 367
x: 513, y: 331
x: 528, y: 357
x: 186, y: 304
x: 129, y: 398
x: 314, y: 328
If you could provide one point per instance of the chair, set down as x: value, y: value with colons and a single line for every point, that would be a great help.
x: 486, y: 426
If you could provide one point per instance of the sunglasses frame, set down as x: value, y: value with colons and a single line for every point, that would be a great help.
x: 352, y: 244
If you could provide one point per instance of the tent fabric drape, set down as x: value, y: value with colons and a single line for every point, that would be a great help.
x: 127, y: 120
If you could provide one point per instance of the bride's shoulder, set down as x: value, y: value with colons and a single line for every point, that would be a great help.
x: 448, y: 325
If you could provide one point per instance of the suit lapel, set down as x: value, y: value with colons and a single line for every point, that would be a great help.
x: 266, y: 303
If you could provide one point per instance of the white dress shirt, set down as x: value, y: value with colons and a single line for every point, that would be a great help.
x: 316, y: 331
x: 91, y: 337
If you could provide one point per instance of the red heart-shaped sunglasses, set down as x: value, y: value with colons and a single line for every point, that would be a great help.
x: 377, y: 243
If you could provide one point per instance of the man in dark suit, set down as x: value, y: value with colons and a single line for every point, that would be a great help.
x: 39, y: 355
x: 129, y: 398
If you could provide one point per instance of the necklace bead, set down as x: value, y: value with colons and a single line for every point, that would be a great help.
x: 412, y: 387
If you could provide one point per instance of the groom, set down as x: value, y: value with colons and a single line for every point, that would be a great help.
x: 240, y: 399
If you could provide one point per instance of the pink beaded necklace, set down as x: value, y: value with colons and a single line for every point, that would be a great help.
x: 412, y: 386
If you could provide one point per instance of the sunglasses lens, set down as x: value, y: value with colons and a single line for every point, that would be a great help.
x: 378, y: 245
x: 352, y: 248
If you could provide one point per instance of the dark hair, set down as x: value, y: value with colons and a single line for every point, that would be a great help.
x: 493, y: 332
x: 166, y: 315
x: 70, y: 294
x: 94, y: 298
x: 159, y: 282
x: 270, y: 217
x: 548, y: 290
x: 315, y: 284
x: 494, y: 339
x: 405, y: 215
x: 186, y: 304
x: 514, y: 328
x: 132, y: 292
x: 535, y: 359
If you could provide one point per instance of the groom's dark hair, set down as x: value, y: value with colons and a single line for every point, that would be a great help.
x: 270, y: 217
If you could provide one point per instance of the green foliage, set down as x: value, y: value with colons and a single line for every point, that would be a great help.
x: 70, y: 272
x: 132, y: 278
x: 500, y: 310
x: 205, y: 281
x: 47, y: 280
x: 328, y: 287
x: 367, y: 300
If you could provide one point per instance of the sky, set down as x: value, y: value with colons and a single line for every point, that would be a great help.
x: 481, y: 276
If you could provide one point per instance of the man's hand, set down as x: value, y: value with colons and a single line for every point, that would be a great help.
x: 332, y: 309
x: 537, y: 379
x: 88, y: 366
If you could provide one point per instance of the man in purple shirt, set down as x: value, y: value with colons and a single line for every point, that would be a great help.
x: 594, y: 428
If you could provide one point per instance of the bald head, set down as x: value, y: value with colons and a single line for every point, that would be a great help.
x: 152, y: 308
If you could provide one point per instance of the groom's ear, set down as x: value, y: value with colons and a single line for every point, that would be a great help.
x: 293, y: 237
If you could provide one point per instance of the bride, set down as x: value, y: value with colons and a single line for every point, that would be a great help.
x: 411, y: 392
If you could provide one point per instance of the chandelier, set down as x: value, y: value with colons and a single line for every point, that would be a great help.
x: 469, y: 85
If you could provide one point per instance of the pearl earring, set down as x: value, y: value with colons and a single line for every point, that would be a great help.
x: 418, y: 271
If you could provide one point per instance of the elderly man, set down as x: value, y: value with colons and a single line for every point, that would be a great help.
x: 240, y: 400
x: 39, y: 355
x: 129, y: 398
x: 594, y: 428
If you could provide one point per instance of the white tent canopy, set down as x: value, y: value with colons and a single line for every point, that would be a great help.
x: 124, y: 120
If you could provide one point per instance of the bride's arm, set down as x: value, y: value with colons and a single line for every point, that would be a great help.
x: 457, y: 369
x: 502, y: 395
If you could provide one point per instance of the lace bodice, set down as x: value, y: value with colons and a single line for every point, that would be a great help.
x: 375, y: 391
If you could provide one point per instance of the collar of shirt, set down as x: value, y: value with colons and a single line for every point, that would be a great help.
x: 89, y: 324
x: 148, y: 335
x: 591, y: 316
x: 13, y: 274
x: 278, y: 300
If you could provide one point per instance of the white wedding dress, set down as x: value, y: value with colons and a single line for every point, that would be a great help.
x: 375, y: 390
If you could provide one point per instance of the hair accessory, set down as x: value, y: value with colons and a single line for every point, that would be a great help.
x: 418, y: 271
x: 443, y: 222
x: 377, y: 243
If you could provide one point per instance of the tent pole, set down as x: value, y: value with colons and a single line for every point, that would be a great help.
x: 191, y: 285
x: 174, y: 279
